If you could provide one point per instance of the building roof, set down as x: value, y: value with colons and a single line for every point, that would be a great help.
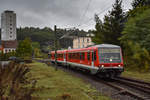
x: 8, y: 11
x: 10, y: 44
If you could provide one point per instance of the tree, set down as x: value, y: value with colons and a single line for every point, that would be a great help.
x: 138, y: 7
x: 35, y: 45
x: 98, y: 33
x: 136, y: 40
x: 24, y: 48
x: 110, y: 30
x: 114, y: 24
x: 137, y: 30
x: 139, y: 3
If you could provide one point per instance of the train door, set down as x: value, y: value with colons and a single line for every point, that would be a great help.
x: 88, y: 58
x: 64, y: 57
x: 93, y: 58
x: 92, y: 62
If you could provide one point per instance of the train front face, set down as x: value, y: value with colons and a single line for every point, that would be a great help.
x: 110, y: 61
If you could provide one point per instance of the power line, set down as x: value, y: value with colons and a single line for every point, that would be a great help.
x: 74, y: 28
x: 101, y: 12
x: 86, y: 10
x: 97, y: 14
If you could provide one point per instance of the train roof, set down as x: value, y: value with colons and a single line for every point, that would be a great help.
x: 107, y: 45
x: 88, y: 48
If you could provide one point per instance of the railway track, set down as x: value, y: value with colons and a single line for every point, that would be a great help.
x: 135, y: 89
x: 124, y: 90
x: 139, y: 85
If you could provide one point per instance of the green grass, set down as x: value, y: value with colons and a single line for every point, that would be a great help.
x: 137, y: 75
x: 58, y: 85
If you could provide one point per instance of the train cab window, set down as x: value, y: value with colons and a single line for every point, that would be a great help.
x: 88, y: 56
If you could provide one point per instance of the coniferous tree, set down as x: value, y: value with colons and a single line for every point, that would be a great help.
x: 98, y: 33
x: 136, y: 41
x: 139, y: 3
x: 113, y: 24
x: 110, y: 30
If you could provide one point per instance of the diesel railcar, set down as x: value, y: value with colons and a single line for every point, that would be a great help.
x: 104, y: 60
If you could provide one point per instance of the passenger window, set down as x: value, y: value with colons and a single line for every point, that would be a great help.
x: 83, y: 56
x: 88, y: 55
x: 94, y: 55
x: 64, y: 56
x: 80, y: 56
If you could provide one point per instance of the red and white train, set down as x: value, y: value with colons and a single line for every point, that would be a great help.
x: 104, y: 60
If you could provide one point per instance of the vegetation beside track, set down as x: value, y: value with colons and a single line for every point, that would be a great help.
x: 137, y: 75
x: 58, y: 85
x: 14, y: 85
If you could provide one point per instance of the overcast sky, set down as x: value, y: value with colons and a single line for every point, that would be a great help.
x: 63, y: 13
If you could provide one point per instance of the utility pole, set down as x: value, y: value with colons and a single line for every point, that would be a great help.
x: 55, y: 33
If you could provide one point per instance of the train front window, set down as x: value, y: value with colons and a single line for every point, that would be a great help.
x: 109, y: 55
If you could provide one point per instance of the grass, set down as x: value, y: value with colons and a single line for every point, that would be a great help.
x: 58, y: 85
x: 137, y: 75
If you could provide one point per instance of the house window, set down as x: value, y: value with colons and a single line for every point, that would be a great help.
x: 88, y: 40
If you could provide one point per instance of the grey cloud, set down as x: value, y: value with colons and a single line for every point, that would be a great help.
x: 64, y: 13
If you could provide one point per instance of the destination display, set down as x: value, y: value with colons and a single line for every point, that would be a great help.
x: 110, y: 50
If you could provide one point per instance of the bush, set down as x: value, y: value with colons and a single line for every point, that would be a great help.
x: 13, y: 82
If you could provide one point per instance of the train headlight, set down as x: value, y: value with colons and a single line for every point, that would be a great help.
x: 102, y: 66
x: 119, y: 65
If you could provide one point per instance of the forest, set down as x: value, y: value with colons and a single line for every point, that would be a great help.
x: 130, y: 30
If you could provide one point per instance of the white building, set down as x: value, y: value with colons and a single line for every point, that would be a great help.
x: 8, y: 31
x: 82, y: 41
x: 8, y: 26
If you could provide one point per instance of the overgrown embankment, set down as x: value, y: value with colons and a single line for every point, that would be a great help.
x: 58, y: 85
x: 14, y: 85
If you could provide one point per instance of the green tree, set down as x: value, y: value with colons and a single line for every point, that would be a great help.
x: 139, y: 3
x: 98, y: 33
x: 136, y: 40
x: 114, y: 24
x: 36, y: 49
x: 24, y: 48
x: 110, y: 30
x: 35, y: 45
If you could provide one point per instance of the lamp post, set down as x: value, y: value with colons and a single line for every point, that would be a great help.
x: 55, y: 44
x: 55, y: 33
